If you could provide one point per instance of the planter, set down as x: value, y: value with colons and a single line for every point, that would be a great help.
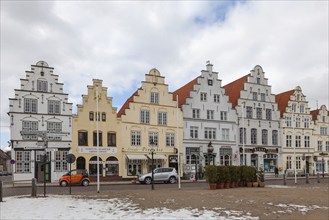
x: 220, y: 185
x: 236, y: 185
x: 249, y: 184
x: 212, y: 186
x: 242, y: 184
x: 255, y: 184
x: 261, y: 184
x: 227, y: 185
x: 232, y: 185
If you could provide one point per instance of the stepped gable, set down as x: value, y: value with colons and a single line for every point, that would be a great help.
x: 282, y: 99
x: 316, y: 112
x: 126, y: 104
x: 184, y: 92
x: 233, y: 89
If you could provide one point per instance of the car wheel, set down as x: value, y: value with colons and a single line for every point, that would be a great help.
x: 85, y: 183
x: 63, y: 183
x: 148, y: 180
x: 172, y: 180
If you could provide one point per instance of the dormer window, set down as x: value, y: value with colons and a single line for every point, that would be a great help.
x: 42, y: 86
x: 210, y: 82
x: 154, y: 97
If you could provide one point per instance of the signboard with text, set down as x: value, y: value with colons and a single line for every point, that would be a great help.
x: 101, y: 150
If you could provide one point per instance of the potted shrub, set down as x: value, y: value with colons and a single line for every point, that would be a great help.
x: 248, y: 175
x: 254, y: 177
x: 243, y: 178
x: 261, y: 179
x: 220, y: 179
x: 226, y: 177
x: 232, y: 176
x: 238, y: 176
x: 211, y: 175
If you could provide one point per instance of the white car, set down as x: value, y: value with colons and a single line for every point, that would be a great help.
x: 167, y: 175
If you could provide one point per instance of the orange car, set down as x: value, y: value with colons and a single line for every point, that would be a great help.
x: 78, y: 177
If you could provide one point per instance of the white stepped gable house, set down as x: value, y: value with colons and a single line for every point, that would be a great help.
x: 40, y: 106
x: 258, y: 120
x: 209, y: 123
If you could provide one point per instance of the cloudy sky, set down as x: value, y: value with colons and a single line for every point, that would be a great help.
x: 119, y: 42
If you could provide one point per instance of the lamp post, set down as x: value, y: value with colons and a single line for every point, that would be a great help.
x: 303, y: 158
x: 210, y: 151
x: 152, y: 164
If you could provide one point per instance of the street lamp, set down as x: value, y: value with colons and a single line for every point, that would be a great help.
x: 210, y: 151
x: 152, y: 164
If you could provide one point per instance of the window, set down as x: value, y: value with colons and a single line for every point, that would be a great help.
x: 259, y: 113
x: 306, y: 122
x: 162, y: 118
x: 288, y: 121
x: 262, y: 97
x: 223, y: 115
x: 225, y: 156
x: 210, y: 133
x: 264, y: 137
x: 210, y: 82
x: 249, y: 112
x: 30, y: 105
x: 297, y: 122
x: 253, y: 136
x: 192, y: 155
x: 307, y: 141
x: 60, y: 161
x: 98, y: 116
x: 298, y: 141
x: 243, y: 136
x: 275, y: 137
x: 298, y: 166
x: 327, y: 146
x: 145, y: 116
x: 134, y: 165
x: 111, y: 139
x: 203, y: 96
x: 297, y: 97
x: 100, y: 143
x: 323, y: 131
x: 170, y: 139
x: 23, y: 162
x: 91, y: 116
x: 194, y: 132
x: 268, y: 114
x: 225, y: 134
x: 301, y: 108
x: 54, y: 107
x: 319, y: 145
x: 42, y: 86
x: 29, y: 125
x: 258, y: 80
x: 135, y: 138
x: 83, y: 138
x: 103, y: 116
x: 293, y: 107
x: 154, y: 97
x: 210, y: 114
x: 319, y: 166
x: 254, y: 96
x: 196, y: 113
x: 323, y: 118
x: 153, y: 138
x: 54, y: 126
x: 288, y: 162
x: 288, y: 140
x: 217, y: 98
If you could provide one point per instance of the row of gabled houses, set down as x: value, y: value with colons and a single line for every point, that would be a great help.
x: 201, y: 123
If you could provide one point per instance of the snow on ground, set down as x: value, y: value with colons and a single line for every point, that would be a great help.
x: 69, y: 207
x: 279, y: 186
x: 289, y: 208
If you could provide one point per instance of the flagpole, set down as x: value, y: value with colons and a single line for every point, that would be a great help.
x: 243, y: 157
x: 97, y: 141
x: 178, y: 160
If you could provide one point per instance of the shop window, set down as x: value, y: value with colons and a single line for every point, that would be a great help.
x: 112, y: 166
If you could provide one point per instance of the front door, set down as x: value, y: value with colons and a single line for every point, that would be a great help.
x: 40, y: 174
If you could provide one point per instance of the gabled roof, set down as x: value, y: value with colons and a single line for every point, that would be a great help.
x: 282, y: 99
x: 125, y: 106
x: 233, y: 89
x: 184, y: 92
x: 315, y: 113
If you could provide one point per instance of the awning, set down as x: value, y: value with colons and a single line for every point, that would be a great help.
x: 136, y: 157
x: 158, y: 157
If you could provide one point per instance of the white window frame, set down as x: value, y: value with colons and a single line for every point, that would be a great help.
x: 288, y: 162
x: 319, y: 145
x: 223, y: 115
x: 54, y: 107
x: 289, y: 140
x: 275, y: 136
x: 217, y: 98
x: 248, y: 112
x: 145, y: 116
x: 162, y: 118
x: 259, y: 113
x: 288, y: 121
x: 225, y: 134
x: 153, y: 136
x: 203, y: 96
x: 194, y: 132
x: 210, y: 114
x: 307, y: 141
x: 154, y: 98
x: 210, y: 133
x: 42, y: 85
x: 135, y: 138
x: 298, y: 141
x: 253, y: 136
x: 195, y: 113
x: 30, y: 105
x: 23, y: 161
x: 323, y: 130
x: 60, y: 161
x: 268, y: 114
x: 170, y: 139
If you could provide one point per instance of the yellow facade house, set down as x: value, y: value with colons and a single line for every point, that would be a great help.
x: 150, y: 121
x: 84, y: 137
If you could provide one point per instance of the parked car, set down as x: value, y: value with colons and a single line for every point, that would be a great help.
x: 78, y: 177
x: 167, y: 175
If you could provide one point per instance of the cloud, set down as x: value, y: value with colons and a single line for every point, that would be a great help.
x: 119, y: 42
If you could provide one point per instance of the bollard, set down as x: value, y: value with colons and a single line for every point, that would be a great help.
x: 318, y: 174
x: 1, y: 191
x: 284, y: 180
x: 34, y: 187
x: 307, y: 176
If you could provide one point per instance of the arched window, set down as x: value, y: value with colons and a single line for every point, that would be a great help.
x: 93, y: 166
x: 112, y: 166
x: 81, y: 163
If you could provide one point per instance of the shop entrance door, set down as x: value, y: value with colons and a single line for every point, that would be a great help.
x: 40, y: 174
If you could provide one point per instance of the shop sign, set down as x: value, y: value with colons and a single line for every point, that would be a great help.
x: 95, y: 162
x: 111, y: 162
x: 260, y: 149
x: 173, y: 159
x: 145, y: 149
x: 101, y: 150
